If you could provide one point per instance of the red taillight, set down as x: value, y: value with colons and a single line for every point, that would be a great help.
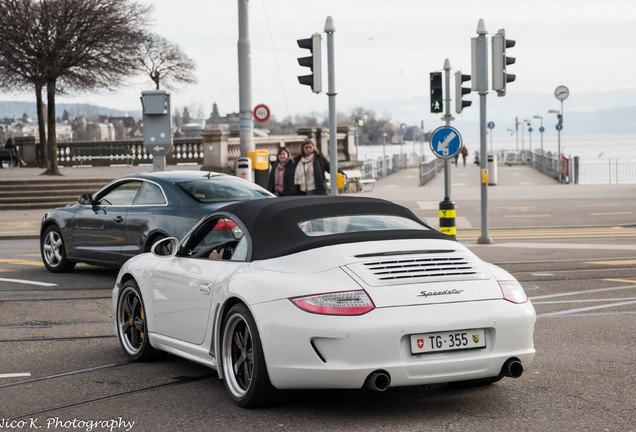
x: 224, y: 225
x: 336, y: 303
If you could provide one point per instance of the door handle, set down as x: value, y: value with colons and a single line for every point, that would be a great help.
x: 119, y: 219
x: 205, y: 287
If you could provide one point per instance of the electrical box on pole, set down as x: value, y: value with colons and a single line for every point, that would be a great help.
x: 460, y: 91
x: 157, y: 120
x: 437, y: 93
x: 314, y: 62
x: 500, y: 61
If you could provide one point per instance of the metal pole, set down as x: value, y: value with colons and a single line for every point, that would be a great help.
x: 482, y: 87
x: 447, y: 120
x: 330, y: 28
x: 422, y: 144
x: 517, y: 133
x: 246, y: 121
x: 559, y: 145
x: 383, y: 154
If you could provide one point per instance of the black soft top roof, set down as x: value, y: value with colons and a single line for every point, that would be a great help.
x: 273, y: 223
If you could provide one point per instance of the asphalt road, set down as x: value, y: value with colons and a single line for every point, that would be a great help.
x: 61, y: 367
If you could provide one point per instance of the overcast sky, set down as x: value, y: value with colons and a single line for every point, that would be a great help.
x: 386, y: 49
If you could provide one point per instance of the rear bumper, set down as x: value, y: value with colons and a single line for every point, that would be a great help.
x: 304, y: 350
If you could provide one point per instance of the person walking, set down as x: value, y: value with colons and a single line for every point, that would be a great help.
x: 281, y: 178
x: 464, y: 152
x: 309, y: 175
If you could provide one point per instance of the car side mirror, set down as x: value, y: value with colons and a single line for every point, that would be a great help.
x: 85, y: 199
x: 165, y: 247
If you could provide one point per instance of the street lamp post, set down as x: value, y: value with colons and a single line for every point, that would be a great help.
x: 559, y: 117
x: 383, y: 153
x: 360, y: 124
x: 517, y: 134
x: 402, y: 131
x: 541, y: 129
x: 526, y: 121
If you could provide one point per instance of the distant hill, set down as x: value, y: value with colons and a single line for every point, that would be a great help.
x: 585, y: 114
x: 18, y: 109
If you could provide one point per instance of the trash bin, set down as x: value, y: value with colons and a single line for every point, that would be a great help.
x: 260, y: 164
x: 244, y: 168
x: 492, y: 170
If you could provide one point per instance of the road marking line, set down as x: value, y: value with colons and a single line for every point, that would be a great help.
x: 599, y: 205
x: 583, y: 301
x: 611, y: 213
x: 517, y: 208
x: 571, y: 311
x: 621, y: 280
x: 28, y: 282
x: 528, y: 216
x: 15, y: 375
x: 555, y: 245
x: 582, y: 292
x: 613, y: 262
x: 22, y: 262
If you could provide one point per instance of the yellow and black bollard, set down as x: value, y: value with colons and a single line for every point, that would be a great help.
x: 447, y: 218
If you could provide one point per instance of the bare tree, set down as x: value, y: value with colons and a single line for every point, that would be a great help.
x: 20, y: 67
x: 164, y: 62
x: 74, y: 44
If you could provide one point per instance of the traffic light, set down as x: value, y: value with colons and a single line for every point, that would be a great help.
x: 500, y: 61
x: 437, y: 95
x: 314, y: 80
x: 460, y: 92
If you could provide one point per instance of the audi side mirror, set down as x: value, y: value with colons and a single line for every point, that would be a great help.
x: 85, y: 199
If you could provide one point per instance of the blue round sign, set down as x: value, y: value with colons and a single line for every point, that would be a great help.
x: 541, y: 129
x: 491, y: 125
x: 529, y: 129
x: 559, y: 126
x: 446, y: 142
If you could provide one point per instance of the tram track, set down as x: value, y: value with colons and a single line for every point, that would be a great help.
x: 58, y: 339
x: 55, y: 299
x: 176, y: 381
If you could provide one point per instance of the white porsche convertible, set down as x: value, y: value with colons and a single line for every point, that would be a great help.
x: 323, y: 292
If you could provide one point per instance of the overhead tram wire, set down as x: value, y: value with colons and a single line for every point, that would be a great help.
x: 280, y: 77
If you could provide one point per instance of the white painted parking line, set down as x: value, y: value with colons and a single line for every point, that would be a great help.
x: 15, y: 375
x: 28, y: 282
x: 583, y: 301
x: 583, y: 292
x: 587, y: 309
x: 564, y: 246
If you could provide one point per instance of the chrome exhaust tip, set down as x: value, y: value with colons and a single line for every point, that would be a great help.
x: 378, y: 381
x: 512, y: 368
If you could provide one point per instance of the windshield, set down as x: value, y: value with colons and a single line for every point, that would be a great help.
x: 222, y: 188
x: 356, y: 223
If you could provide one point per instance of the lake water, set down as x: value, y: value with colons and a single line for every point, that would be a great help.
x: 589, y: 148
x: 602, y: 158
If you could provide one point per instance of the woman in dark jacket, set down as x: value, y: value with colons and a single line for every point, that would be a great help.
x: 281, y: 178
x: 309, y: 175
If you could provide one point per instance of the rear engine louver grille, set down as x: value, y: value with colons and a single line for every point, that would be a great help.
x: 417, y: 268
x: 429, y: 266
